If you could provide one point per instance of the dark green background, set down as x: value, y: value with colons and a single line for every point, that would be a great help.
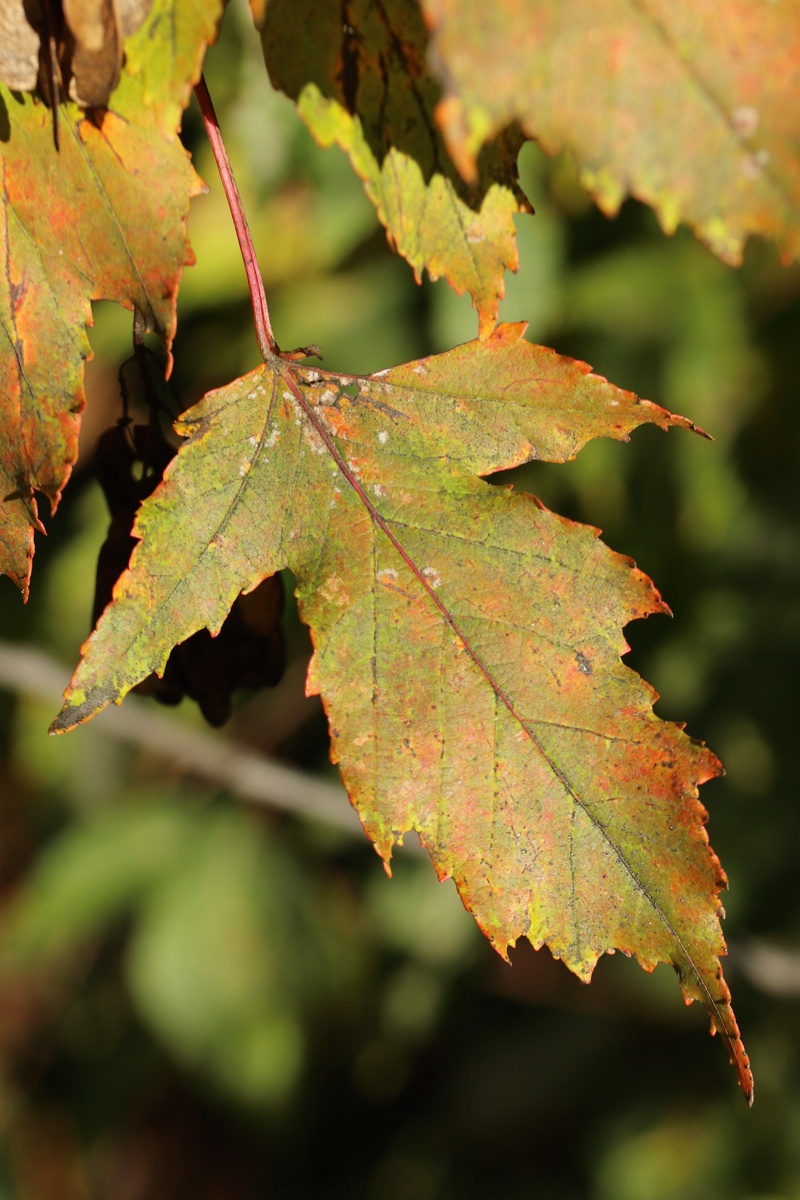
x: 209, y: 1000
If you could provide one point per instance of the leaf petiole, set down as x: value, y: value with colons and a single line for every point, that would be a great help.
x: 266, y: 339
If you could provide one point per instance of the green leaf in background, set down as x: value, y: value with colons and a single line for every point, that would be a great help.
x: 95, y: 872
x: 215, y: 911
x: 208, y: 960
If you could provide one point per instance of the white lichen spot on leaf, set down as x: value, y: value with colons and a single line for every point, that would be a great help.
x: 745, y: 120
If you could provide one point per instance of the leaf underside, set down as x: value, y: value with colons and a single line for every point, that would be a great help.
x: 687, y: 111
x: 102, y: 217
x: 467, y: 641
x: 362, y: 82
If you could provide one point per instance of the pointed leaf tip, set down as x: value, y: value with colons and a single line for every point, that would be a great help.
x: 80, y: 706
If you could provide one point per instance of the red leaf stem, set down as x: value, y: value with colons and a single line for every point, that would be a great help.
x: 266, y: 339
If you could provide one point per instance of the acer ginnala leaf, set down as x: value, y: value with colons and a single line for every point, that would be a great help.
x: 467, y: 641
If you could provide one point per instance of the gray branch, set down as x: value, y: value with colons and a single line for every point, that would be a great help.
x: 213, y: 757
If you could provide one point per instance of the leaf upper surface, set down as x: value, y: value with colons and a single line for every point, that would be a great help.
x: 688, y: 109
x: 361, y: 81
x: 467, y: 641
x: 101, y: 218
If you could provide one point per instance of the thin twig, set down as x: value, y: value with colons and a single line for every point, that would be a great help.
x: 218, y: 759
x: 266, y: 340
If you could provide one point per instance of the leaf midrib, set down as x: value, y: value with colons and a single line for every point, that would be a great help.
x: 500, y: 694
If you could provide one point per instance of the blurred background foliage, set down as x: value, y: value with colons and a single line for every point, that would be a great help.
x: 205, y: 999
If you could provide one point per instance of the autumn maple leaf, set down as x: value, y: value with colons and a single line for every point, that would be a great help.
x: 664, y: 102
x: 467, y: 641
x: 100, y: 216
